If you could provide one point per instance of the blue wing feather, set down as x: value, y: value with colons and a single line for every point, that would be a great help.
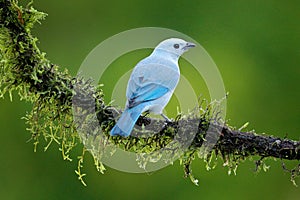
x: 147, y: 93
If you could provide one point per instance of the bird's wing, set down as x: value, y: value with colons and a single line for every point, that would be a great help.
x: 149, y: 82
x: 147, y: 93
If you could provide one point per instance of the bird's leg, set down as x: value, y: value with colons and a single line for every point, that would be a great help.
x: 166, y: 118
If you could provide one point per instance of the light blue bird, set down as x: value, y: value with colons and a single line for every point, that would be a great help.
x: 151, y: 84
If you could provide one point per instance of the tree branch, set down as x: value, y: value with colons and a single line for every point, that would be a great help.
x: 54, y: 93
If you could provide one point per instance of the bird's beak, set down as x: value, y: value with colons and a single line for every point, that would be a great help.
x: 189, y: 45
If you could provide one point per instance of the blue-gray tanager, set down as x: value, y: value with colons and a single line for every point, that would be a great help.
x: 151, y: 84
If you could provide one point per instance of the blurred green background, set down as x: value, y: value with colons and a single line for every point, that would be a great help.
x: 254, y: 43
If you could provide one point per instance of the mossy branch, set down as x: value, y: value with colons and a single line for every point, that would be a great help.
x: 55, y: 94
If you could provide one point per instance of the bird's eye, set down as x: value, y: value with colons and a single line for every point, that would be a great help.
x: 176, y: 46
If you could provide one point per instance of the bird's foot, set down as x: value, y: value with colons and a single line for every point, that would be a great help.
x: 166, y: 118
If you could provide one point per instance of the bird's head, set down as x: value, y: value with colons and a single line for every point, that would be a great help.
x: 175, y: 46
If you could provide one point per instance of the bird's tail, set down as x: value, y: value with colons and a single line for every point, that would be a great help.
x: 127, y: 121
